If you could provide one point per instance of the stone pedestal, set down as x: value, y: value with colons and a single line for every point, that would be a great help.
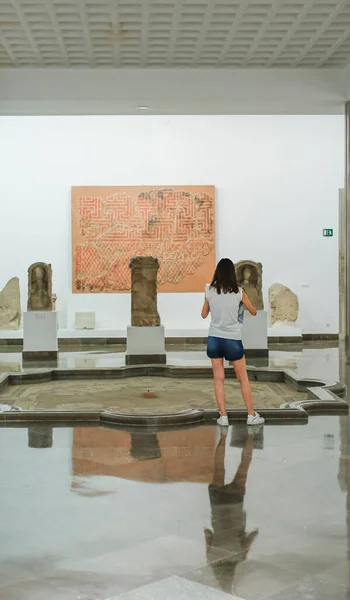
x: 145, y: 346
x: 254, y: 333
x: 40, y: 335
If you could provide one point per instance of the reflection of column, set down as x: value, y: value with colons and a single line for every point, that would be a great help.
x: 144, y: 312
x: 347, y: 200
x: 40, y: 436
x: 145, y: 446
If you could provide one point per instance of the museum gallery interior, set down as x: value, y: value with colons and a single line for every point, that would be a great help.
x: 142, y: 141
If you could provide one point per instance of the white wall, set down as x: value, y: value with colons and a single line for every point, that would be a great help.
x: 276, y: 177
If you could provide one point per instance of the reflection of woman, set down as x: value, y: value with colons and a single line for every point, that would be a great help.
x: 223, y: 299
x: 228, y: 516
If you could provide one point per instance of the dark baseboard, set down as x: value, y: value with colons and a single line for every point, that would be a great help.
x: 40, y: 355
x: 185, y: 340
x: 285, y: 339
x: 91, y: 341
x: 145, y: 359
x: 259, y: 353
x: 170, y: 341
x: 308, y: 337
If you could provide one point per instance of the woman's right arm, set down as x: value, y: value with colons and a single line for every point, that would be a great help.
x: 247, y: 303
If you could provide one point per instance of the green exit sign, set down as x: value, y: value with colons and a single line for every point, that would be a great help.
x: 328, y: 233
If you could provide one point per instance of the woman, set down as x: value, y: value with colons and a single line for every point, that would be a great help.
x: 223, y: 299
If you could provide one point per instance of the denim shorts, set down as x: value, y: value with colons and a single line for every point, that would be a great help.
x: 230, y: 350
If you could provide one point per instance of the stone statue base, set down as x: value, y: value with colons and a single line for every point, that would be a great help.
x: 40, y: 335
x: 254, y: 332
x: 145, y: 346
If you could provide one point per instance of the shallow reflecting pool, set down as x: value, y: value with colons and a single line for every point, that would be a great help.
x: 97, y: 513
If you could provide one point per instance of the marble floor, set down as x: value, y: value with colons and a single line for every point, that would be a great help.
x: 198, y: 513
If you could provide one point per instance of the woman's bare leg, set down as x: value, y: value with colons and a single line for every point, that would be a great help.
x: 241, y: 371
x: 219, y: 381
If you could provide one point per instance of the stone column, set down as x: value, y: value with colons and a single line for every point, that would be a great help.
x: 144, y: 271
x: 145, y: 337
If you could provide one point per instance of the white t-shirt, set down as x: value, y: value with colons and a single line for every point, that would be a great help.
x: 225, y: 312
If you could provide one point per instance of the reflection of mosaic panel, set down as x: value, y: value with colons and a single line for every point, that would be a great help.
x: 110, y: 225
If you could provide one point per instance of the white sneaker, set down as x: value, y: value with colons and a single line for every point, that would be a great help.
x: 223, y: 421
x: 255, y: 419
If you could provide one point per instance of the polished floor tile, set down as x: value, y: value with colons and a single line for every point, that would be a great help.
x: 311, y: 589
x: 174, y: 588
x: 63, y: 586
x: 249, y: 579
x: 148, y: 561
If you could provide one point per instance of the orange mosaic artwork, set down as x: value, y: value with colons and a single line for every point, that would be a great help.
x: 111, y: 225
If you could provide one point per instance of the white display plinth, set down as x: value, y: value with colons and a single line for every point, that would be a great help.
x: 40, y: 334
x: 285, y: 330
x: 145, y: 345
x: 254, y: 332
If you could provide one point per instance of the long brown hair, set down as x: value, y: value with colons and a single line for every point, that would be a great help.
x: 225, y: 279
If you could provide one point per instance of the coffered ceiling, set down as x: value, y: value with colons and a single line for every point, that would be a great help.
x: 174, y: 34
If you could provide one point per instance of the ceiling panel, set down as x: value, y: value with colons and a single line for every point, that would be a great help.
x: 174, y: 33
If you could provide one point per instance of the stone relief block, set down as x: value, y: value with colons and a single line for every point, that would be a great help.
x: 39, y: 287
x: 112, y: 224
x: 249, y: 277
x: 284, y: 304
x: 84, y: 320
x: 10, y: 305
x: 144, y: 312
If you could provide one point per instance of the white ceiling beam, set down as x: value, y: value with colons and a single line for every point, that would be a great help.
x: 265, y: 24
x: 145, y: 32
x: 334, y: 48
x: 86, y: 33
x: 291, y: 31
x: 115, y: 23
x: 8, y: 49
x: 319, y: 32
x: 174, y: 31
x: 203, y: 31
x: 18, y: 10
x: 231, y: 34
x: 53, y: 18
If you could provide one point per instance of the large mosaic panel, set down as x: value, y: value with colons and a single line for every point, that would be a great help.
x: 111, y: 225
